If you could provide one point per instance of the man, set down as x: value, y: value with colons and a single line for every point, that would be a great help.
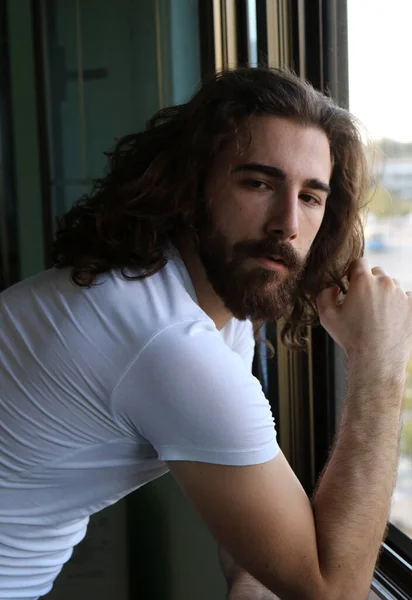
x: 132, y: 356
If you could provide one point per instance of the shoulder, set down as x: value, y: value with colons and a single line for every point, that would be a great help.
x: 239, y: 336
x: 194, y: 398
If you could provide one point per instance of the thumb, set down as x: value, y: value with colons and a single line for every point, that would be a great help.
x: 327, y: 299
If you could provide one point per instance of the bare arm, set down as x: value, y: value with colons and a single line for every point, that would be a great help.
x: 353, y: 496
x: 325, y: 550
x: 352, y: 499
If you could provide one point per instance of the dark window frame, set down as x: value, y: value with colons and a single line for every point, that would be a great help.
x: 9, y: 250
x: 39, y: 35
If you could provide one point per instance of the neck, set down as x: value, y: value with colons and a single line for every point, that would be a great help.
x: 208, y: 300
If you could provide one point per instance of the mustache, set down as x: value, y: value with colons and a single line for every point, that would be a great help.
x: 271, y: 247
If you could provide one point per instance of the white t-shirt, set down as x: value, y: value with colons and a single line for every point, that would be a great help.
x: 98, y: 388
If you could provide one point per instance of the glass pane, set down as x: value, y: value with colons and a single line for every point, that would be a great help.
x: 109, y: 66
x: 252, y: 33
x: 380, y: 91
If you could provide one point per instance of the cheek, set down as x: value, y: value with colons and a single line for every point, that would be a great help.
x: 247, y: 221
x: 310, y: 230
x: 231, y: 211
x: 237, y: 213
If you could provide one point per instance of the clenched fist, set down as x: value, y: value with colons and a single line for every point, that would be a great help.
x: 374, y: 321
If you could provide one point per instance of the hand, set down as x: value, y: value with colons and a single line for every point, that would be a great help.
x: 373, y: 321
x: 242, y: 586
x: 229, y: 567
x: 245, y: 587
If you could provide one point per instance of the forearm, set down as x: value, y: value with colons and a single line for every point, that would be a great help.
x: 352, y: 501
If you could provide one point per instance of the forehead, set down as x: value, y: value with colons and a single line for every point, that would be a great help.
x: 299, y: 150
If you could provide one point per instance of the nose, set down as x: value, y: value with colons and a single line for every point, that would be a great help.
x: 284, y: 218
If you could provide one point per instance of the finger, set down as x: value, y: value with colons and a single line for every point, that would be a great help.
x: 381, y: 271
x: 328, y: 298
x: 360, y: 265
x: 378, y: 271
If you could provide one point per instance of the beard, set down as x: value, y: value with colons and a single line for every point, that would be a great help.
x: 246, y: 289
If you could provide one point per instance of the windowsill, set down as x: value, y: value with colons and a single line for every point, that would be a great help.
x: 379, y: 592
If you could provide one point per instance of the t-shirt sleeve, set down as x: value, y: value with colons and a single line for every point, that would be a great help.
x: 193, y: 398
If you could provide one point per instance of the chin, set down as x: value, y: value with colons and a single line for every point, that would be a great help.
x: 262, y: 307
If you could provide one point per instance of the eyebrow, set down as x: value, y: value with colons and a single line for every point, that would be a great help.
x: 277, y: 173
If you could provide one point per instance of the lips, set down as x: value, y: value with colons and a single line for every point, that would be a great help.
x: 275, y: 258
x: 270, y: 263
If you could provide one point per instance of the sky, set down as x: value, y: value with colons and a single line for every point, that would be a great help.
x: 380, y: 66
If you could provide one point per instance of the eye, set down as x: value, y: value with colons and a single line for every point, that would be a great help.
x: 257, y: 184
x: 309, y: 199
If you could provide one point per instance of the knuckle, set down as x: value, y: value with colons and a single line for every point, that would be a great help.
x: 360, y: 274
x: 359, y: 265
x: 386, y: 282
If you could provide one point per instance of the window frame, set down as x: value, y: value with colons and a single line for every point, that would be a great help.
x: 9, y: 254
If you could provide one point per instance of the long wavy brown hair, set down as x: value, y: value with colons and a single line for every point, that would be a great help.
x: 156, y: 179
